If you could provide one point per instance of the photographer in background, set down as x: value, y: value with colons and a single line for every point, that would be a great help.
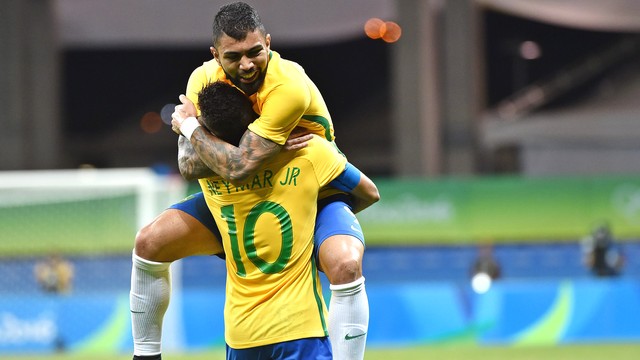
x: 601, y: 254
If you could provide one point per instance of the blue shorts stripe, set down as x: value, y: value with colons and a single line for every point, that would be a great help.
x: 309, y: 348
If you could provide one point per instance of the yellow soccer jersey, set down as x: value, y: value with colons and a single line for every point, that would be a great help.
x: 287, y: 98
x: 267, y: 226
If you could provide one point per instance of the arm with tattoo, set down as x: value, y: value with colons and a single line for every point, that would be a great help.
x: 190, y: 165
x: 234, y: 164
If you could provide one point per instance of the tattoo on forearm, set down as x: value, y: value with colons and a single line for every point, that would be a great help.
x: 235, y: 164
x: 190, y: 165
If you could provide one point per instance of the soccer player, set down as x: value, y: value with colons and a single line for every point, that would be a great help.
x: 274, y: 307
x: 285, y: 98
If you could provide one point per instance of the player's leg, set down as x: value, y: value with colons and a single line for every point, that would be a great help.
x: 185, y: 229
x: 174, y: 235
x: 340, y: 245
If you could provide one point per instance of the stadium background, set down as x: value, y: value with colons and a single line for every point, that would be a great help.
x: 491, y: 164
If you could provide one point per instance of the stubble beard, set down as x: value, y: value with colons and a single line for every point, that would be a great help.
x: 248, y: 88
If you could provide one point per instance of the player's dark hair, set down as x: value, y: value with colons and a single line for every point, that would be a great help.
x: 236, y: 20
x: 225, y: 111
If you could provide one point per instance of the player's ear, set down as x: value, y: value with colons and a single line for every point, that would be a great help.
x: 267, y: 41
x: 215, y: 54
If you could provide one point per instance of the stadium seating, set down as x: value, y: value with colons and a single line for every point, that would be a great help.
x: 381, y: 264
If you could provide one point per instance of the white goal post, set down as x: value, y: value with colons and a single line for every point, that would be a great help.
x: 81, y: 210
x: 153, y: 192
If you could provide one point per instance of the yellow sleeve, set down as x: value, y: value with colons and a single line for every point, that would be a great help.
x: 281, y: 111
x: 206, y: 73
x: 197, y: 81
x: 326, y: 160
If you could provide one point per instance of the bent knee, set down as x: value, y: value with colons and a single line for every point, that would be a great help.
x: 341, y: 259
x: 144, y: 243
x: 347, y: 271
x: 343, y: 270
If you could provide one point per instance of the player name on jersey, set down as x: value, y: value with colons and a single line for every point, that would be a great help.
x: 219, y: 186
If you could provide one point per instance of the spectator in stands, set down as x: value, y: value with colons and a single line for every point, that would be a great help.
x: 54, y: 274
x: 486, y: 263
x: 601, y: 254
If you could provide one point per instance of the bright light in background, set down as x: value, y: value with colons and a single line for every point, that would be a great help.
x: 151, y: 122
x: 530, y: 50
x: 372, y: 28
x: 388, y: 31
x: 481, y: 282
x: 391, y: 32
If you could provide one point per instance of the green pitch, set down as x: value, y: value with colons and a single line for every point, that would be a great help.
x: 463, y: 352
x: 91, y: 226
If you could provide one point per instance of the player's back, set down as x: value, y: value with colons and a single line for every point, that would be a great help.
x: 267, y: 227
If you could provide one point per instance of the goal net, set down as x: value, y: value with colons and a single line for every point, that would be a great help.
x: 80, y: 211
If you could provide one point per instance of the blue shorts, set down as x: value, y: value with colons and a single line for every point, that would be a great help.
x: 196, y: 206
x: 310, y: 348
x: 334, y: 217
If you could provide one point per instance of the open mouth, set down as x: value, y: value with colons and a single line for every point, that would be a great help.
x: 249, y: 78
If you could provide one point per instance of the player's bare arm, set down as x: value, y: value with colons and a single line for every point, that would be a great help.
x: 364, y: 194
x: 234, y: 164
x: 190, y: 165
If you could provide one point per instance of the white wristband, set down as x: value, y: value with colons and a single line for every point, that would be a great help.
x: 189, y: 125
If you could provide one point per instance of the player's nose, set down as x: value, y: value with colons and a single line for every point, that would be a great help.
x: 246, y: 64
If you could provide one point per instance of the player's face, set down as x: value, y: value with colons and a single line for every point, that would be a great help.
x: 245, y: 61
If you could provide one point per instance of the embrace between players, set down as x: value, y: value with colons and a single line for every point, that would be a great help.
x: 278, y: 207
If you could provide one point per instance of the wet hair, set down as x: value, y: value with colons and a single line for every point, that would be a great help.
x: 225, y: 111
x: 236, y: 20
